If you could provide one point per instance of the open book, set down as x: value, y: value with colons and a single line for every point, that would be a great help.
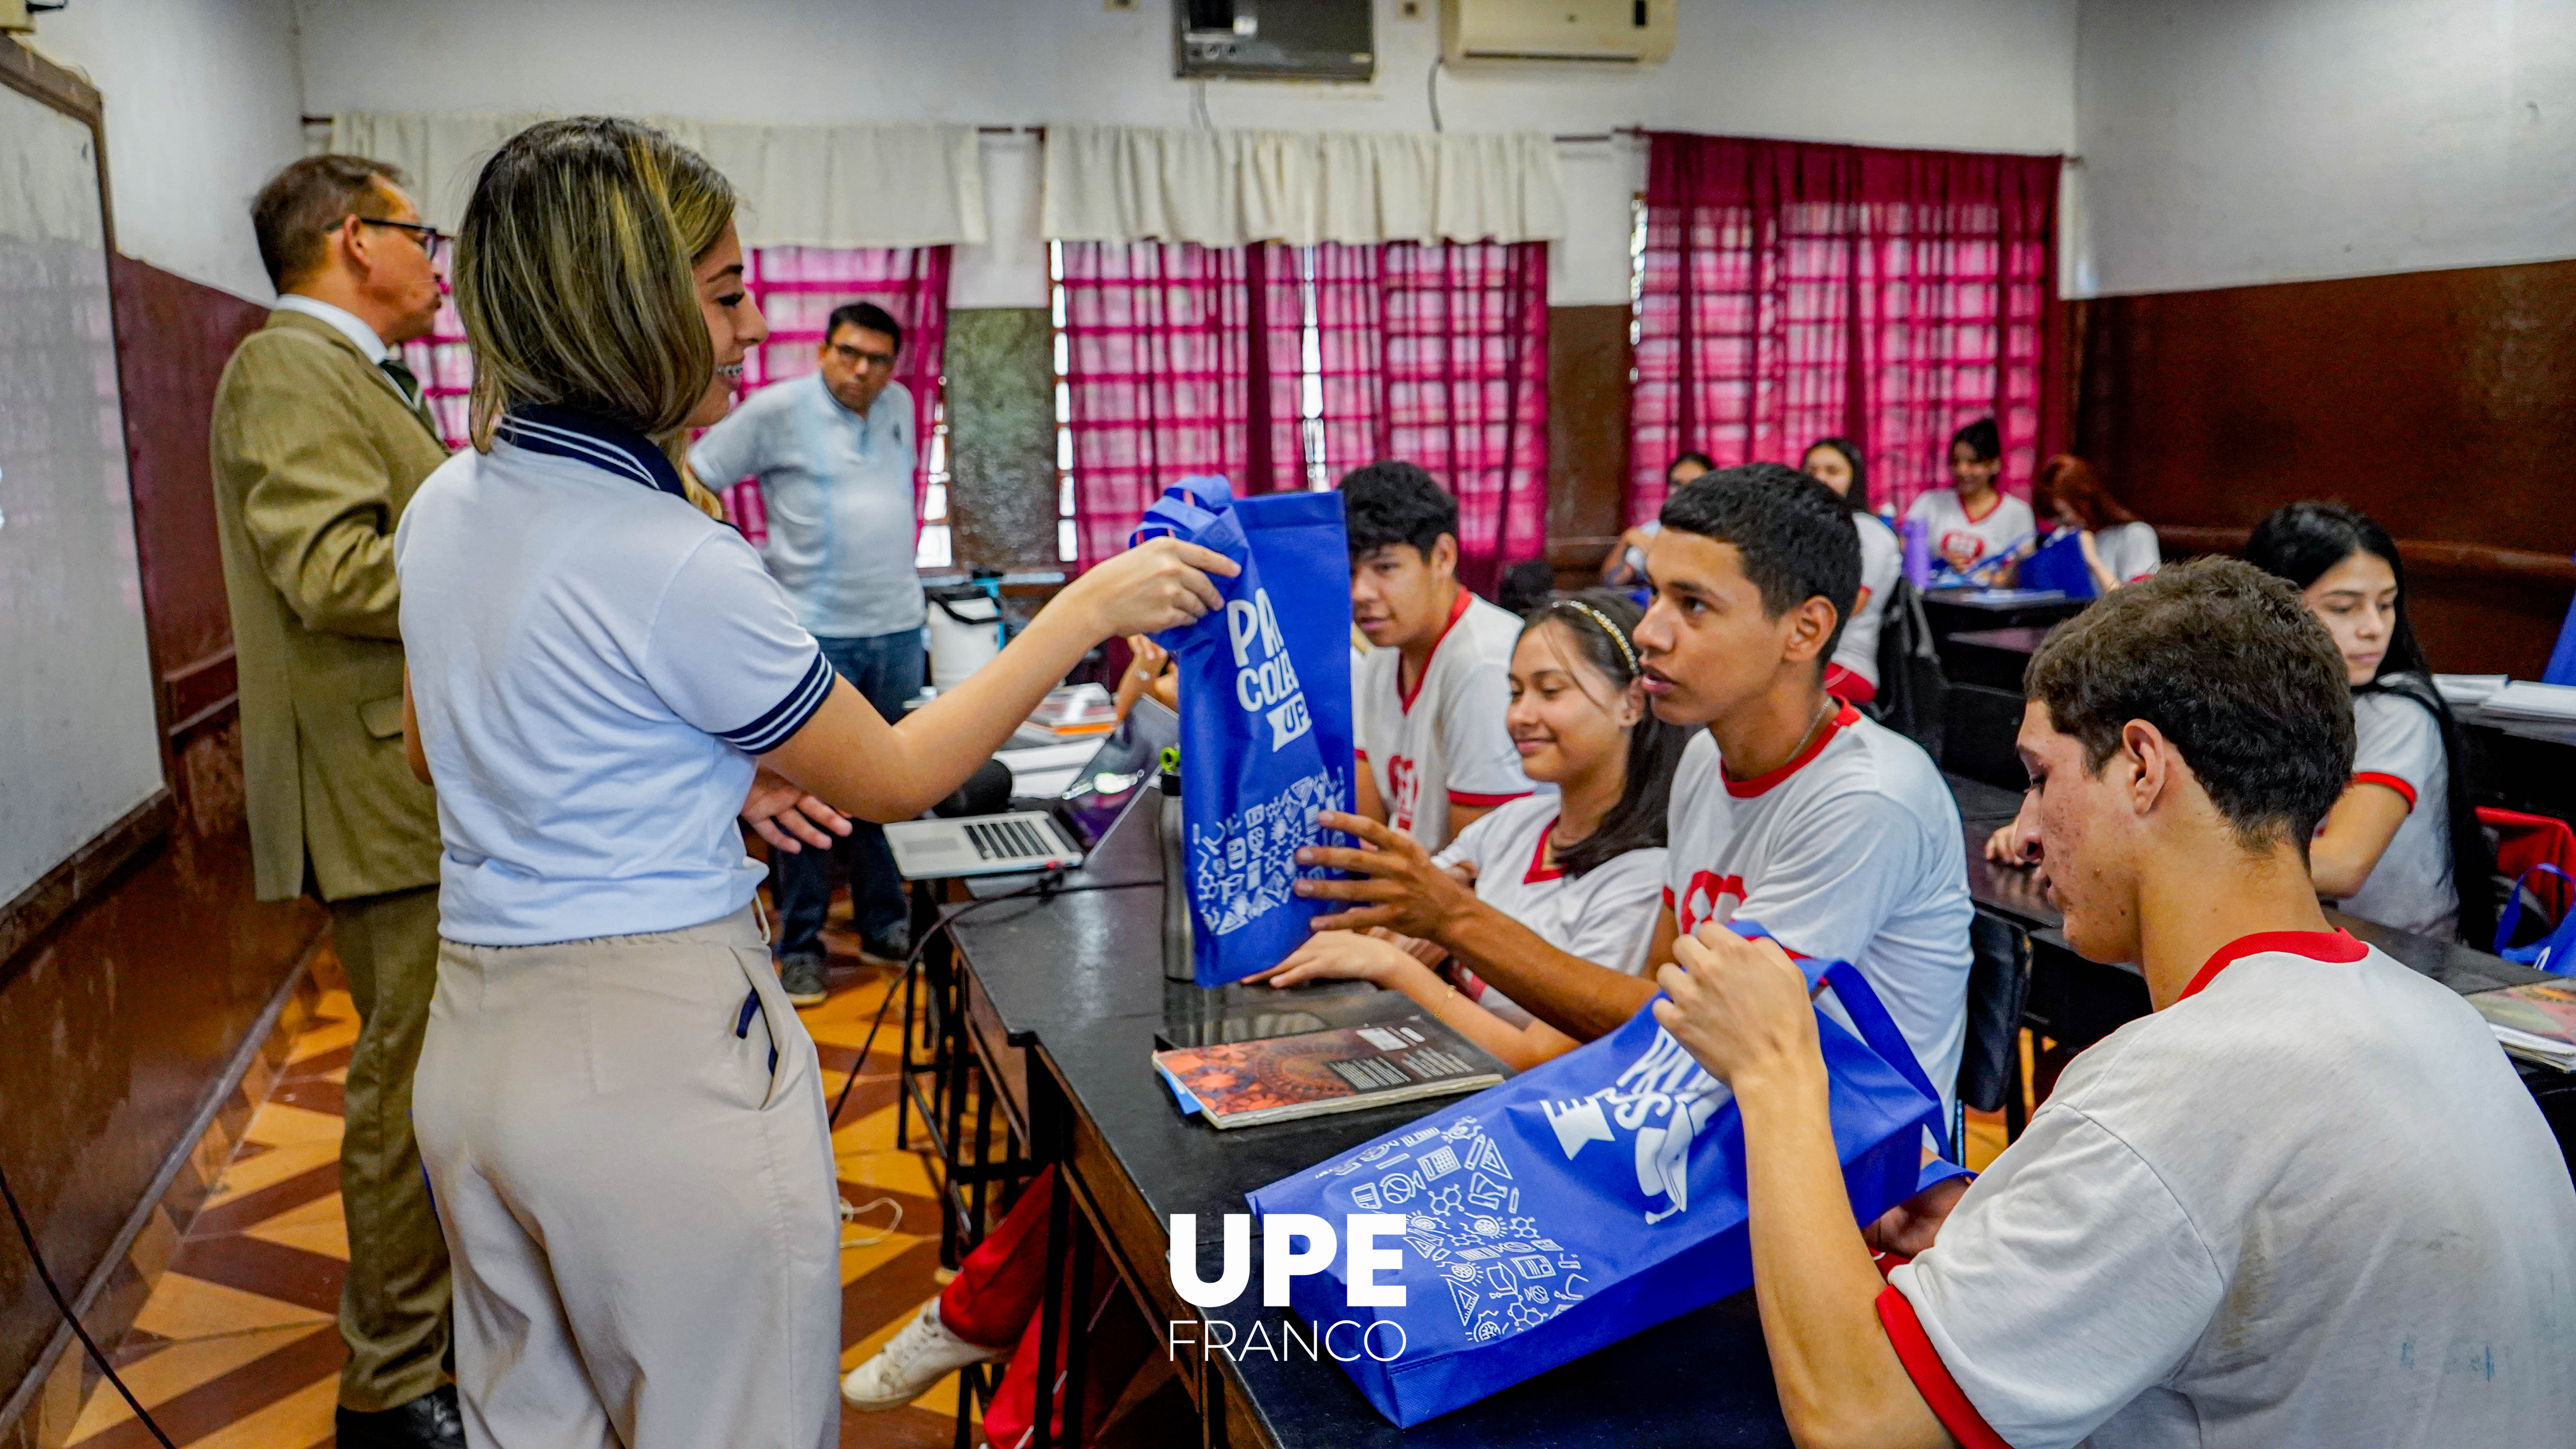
x: 2536, y: 1022
x: 1340, y: 1069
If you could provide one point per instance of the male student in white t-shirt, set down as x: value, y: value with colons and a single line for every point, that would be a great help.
x: 2305, y: 1202
x: 1430, y: 694
x: 1789, y: 809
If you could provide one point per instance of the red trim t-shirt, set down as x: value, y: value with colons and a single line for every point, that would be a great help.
x: 2398, y: 744
x: 1963, y: 540
x: 1444, y: 741
x: 1605, y: 916
x: 2308, y: 1203
x: 1850, y: 852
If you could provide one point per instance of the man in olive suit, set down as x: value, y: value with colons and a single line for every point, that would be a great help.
x: 320, y: 438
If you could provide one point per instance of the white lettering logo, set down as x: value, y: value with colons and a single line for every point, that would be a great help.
x: 1267, y: 687
x: 1664, y: 1097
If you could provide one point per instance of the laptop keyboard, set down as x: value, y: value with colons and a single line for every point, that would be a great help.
x: 1009, y: 840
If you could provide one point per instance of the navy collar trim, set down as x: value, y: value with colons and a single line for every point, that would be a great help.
x: 588, y: 438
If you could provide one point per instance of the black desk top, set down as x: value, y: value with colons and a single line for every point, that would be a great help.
x: 2019, y: 639
x: 2015, y: 601
x: 1979, y: 801
x: 2528, y: 729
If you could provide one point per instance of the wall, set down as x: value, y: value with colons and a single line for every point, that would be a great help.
x: 202, y: 98
x: 2229, y: 142
x: 1978, y: 74
x: 137, y: 1024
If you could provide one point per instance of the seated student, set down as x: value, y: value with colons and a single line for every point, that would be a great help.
x: 1974, y: 523
x: 1429, y: 695
x: 2305, y: 1202
x: 1581, y: 868
x: 2119, y: 547
x: 1626, y: 562
x: 1789, y: 808
x: 1852, y: 677
x: 2403, y: 846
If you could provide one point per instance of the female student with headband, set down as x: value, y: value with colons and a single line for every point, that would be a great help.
x: 1582, y: 866
x: 1973, y: 521
x: 2119, y: 547
x: 2402, y: 847
x: 1852, y: 675
x: 620, y: 1114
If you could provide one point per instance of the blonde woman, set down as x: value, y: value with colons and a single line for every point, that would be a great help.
x: 621, y: 1116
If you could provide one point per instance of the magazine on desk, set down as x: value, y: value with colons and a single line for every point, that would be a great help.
x: 2536, y: 1022
x: 1340, y: 1069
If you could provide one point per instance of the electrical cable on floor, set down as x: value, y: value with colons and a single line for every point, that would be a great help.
x: 1044, y: 885
x: 27, y: 1235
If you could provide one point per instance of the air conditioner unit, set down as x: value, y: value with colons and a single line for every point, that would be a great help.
x: 1630, y: 32
x: 1274, y: 39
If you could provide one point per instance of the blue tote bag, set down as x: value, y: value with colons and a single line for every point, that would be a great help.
x: 1265, y: 689
x: 1588, y: 1198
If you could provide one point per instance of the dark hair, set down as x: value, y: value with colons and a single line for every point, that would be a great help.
x: 2070, y: 479
x: 2226, y: 661
x: 1706, y: 463
x: 1982, y: 437
x: 301, y: 204
x: 1857, y: 500
x: 1636, y: 822
x: 868, y: 315
x: 1796, y: 537
x: 1390, y: 502
x: 2299, y: 542
x: 1525, y: 585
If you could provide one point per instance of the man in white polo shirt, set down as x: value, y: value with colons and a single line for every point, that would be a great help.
x: 834, y: 454
x: 1432, y: 691
x: 2305, y: 1202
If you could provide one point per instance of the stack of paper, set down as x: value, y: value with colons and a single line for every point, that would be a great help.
x: 2462, y: 689
x: 2535, y: 1022
x: 2524, y: 699
x: 1076, y: 709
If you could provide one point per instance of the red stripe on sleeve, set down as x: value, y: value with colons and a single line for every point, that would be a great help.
x: 1484, y: 802
x: 1941, y: 1393
x: 2374, y: 777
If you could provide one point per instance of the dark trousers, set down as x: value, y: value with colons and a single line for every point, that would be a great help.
x: 887, y: 668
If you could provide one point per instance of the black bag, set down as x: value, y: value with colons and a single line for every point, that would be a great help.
x: 1912, y: 690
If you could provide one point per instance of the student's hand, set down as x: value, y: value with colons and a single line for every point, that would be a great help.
x: 1740, y: 1007
x: 1161, y: 583
x: 1910, y: 1226
x: 2013, y: 843
x: 1429, y: 953
x: 1340, y: 956
x: 1399, y: 888
x: 783, y: 814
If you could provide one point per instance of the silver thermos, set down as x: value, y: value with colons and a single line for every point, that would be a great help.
x: 1177, y: 960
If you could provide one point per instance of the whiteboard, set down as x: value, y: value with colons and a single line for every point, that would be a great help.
x: 79, y: 740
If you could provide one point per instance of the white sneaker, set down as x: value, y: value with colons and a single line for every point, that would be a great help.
x: 919, y: 1356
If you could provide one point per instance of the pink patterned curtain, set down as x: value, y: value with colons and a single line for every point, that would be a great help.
x: 1792, y: 291
x: 1437, y: 355
x: 797, y: 288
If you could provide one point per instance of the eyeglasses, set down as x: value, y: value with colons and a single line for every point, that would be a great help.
x: 429, y: 237
x: 858, y: 358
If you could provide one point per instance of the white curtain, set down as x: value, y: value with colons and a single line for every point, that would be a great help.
x: 856, y: 184
x: 1228, y: 188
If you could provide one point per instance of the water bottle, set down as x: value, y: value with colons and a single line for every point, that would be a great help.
x: 1917, y: 536
x: 1178, y: 964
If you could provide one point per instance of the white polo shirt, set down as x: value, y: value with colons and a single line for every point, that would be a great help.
x: 1445, y: 742
x: 2129, y: 551
x: 595, y: 663
x: 1882, y: 560
x: 1963, y: 541
x: 1850, y: 852
x: 1605, y: 916
x: 2307, y: 1204
x: 2399, y: 745
x: 837, y: 489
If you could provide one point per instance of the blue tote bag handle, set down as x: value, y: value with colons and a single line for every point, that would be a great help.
x: 2554, y: 952
x: 1877, y: 1031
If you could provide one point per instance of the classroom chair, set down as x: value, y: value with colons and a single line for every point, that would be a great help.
x: 2525, y: 841
x: 1990, y: 1061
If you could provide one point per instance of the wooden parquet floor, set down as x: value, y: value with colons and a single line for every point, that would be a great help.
x: 238, y: 1345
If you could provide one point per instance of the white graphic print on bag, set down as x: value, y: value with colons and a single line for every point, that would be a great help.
x: 1462, y: 1216
x: 1266, y: 687
x: 1245, y: 867
x: 1665, y: 1098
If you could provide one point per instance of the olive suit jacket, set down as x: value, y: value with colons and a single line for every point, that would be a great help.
x: 315, y: 456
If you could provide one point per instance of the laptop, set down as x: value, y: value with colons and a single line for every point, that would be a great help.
x: 1104, y: 788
